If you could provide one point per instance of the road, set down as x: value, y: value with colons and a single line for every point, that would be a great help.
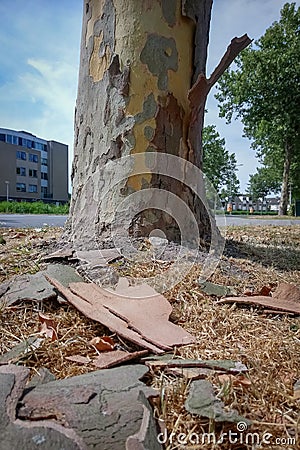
x: 39, y: 221
x: 254, y: 221
x: 31, y: 220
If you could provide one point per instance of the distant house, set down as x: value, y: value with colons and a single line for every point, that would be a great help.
x: 273, y: 203
x: 32, y: 168
x: 244, y: 202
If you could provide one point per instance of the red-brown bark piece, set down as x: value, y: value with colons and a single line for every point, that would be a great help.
x: 143, y: 319
x: 147, y: 315
x: 95, y: 311
x: 110, y: 359
x: 285, y: 298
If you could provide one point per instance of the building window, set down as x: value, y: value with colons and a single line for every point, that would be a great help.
x: 44, y: 176
x: 33, y: 158
x: 21, y: 155
x: 21, y: 187
x: 32, y: 188
x: 44, y: 161
x: 9, y: 138
x: 15, y: 140
x: 32, y: 173
x: 2, y: 137
x: 21, y: 171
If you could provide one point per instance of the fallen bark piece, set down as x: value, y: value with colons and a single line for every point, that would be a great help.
x: 146, y: 437
x: 286, y: 297
x: 36, y: 287
x: 98, y: 258
x: 16, y: 434
x: 103, y: 408
x: 192, y: 373
x: 201, y: 400
x: 216, y: 289
x: 141, y: 318
x: 287, y: 291
x: 99, y: 313
x: 219, y: 365
x: 79, y: 359
x: 63, y: 253
x: 144, y: 310
x: 116, y: 357
x: 21, y: 350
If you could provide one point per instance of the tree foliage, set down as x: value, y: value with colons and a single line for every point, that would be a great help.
x: 263, y: 183
x: 219, y: 165
x: 263, y: 91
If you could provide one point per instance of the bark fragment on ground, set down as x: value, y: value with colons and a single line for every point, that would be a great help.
x: 20, y: 350
x: 111, y: 359
x: 166, y: 361
x: 140, y: 315
x: 202, y: 400
x: 285, y: 298
x: 28, y: 435
x: 36, y: 287
x: 99, y: 410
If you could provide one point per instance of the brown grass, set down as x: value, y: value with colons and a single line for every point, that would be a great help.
x: 267, y: 344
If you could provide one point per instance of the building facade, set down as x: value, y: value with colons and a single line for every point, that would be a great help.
x: 32, y: 168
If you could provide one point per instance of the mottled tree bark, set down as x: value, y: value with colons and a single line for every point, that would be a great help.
x: 285, y: 179
x: 142, y: 88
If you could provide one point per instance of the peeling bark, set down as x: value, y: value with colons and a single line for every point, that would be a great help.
x: 142, y: 88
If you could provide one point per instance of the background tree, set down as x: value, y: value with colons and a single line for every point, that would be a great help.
x: 263, y: 183
x: 263, y: 91
x: 142, y: 90
x: 219, y: 165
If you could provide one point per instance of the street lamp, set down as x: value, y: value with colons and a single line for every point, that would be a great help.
x: 7, y: 190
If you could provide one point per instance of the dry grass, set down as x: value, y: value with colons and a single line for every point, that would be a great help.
x: 267, y: 344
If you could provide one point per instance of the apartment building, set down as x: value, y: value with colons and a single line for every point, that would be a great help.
x: 32, y: 168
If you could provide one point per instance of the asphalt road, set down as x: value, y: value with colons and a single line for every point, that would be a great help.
x: 254, y: 220
x: 39, y: 221
x: 31, y: 220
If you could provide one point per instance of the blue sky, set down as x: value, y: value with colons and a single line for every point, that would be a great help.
x: 40, y: 41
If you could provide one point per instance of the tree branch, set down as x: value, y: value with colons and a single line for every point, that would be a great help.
x: 235, y: 47
x: 200, y: 89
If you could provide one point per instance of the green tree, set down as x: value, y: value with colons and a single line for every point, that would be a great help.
x: 219, y: 165
x: 263, y: 183
x: 263, y: 91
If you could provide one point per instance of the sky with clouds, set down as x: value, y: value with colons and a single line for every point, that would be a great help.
x: 40, y: 41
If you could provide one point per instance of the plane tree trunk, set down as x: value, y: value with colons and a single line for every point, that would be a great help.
x: 284, y: 197
x: 142, y: 92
